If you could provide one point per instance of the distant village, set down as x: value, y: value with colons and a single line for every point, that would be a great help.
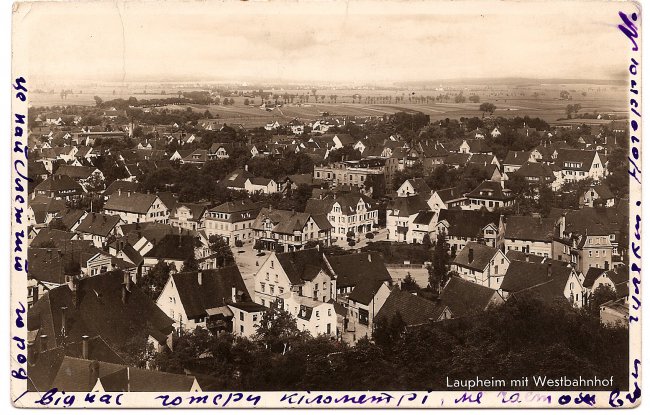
x: 149, y: 225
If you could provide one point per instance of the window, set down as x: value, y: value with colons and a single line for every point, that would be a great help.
x: 272, y: 264
x: 267, y: 276
x: 317, y: 316
x: 262, y: 285
x: 241, y: 315
x: 329, y: 312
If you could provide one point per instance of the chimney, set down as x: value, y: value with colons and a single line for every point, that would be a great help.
x: 35, y: 292
x: 470, y: 257
x: 369, y: 258
x: 42, y: 344
x: 199, y: 277
x: 85, y: 347
x: 548, y: 270
x: 234, y: 295
x: 119, y: 192
x: 64, y: 310
x: 246, y: 167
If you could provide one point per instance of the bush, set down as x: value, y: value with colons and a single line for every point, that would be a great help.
x: 351, y: 242
x: 370, y: 235
x: 239, y: 243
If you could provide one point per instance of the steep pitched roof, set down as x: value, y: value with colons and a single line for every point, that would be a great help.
x: 351, y: 269
x: 76, y: 172
x: 516, y: 158
x: 98, y: 224
x: 465, y: 298
x: 591, y: 276
x: 523, y: 275
x: 413, y: 309
x: 481, y: 256
x: 173, y: 247
x: 95, y: 308
x: 57, y: 183
x: 529, y: 228
x: 286, y: 221
x: 213, y: 291
x: 407, y: 206
x: 567, y: 156
x: 302, y: 265
x: 51, y: 235
x: 133, y: 202
x: 467, y: 223
x: 521, y: 256
x: 531, y: 169
x: 450, y: 193
x: 491, y: 190
x: 365, y: 291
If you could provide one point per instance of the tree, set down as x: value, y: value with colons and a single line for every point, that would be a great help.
x: 388, y: 331
x: 223, y: 253
x: 438, y: 271
x: 98, y: 101
x: 487, y: 107
x: 190, y: 264
x: 278, y: 329
x: 153, y: 282
x: 564, y: 94
x: 474, y: 98
x: 409, y: 284
x: 602, y: 294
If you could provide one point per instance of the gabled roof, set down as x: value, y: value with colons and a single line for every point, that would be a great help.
x: 583, y: 158
x: 465, y: 298
x: 467, y: 223
x: 450, y: 193
x: 413, y: 309
x: 490, y: 190
x: 71, y: 216
x: 57, y: 183
x: 603, y: 191
x: 523, y: 275
x: 98, y: 224
x: 591, y: 276
x: 51, y: 235
x: 133, y: 202
x: 173, y: 247
x: 97, y: 309
x: 529, y: 228
x: 287, y: 222
x: 407, y: 206
x: 521, y: 256
x: 76, y: 172
x: 215, y: 289
x: 347, y: 201
x: 531, y: 169
x: 420, y: 186
x: 481, y: 256
x: 303, y: 265
x: 351, y: 269
x: 365, y: 291
x: 516, y: 158
x: 424, y: 217
x: 122, y: 185
x: 197, y: 210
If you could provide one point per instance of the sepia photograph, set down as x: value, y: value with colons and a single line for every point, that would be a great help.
x: 298, y: 204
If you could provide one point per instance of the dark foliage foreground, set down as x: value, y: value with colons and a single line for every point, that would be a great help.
x: 525, y: 337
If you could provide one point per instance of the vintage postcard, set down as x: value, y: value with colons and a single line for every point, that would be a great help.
x: 326, y: 204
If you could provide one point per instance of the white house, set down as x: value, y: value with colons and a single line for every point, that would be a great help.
x: 316, y: 317
x: 481, y: 264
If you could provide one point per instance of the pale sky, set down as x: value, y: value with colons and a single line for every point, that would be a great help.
x: 334, y: 41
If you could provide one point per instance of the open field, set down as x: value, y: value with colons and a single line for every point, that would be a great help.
x: 541, y: 100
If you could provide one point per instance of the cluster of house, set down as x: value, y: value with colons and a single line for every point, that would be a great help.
x: 84, y: 303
